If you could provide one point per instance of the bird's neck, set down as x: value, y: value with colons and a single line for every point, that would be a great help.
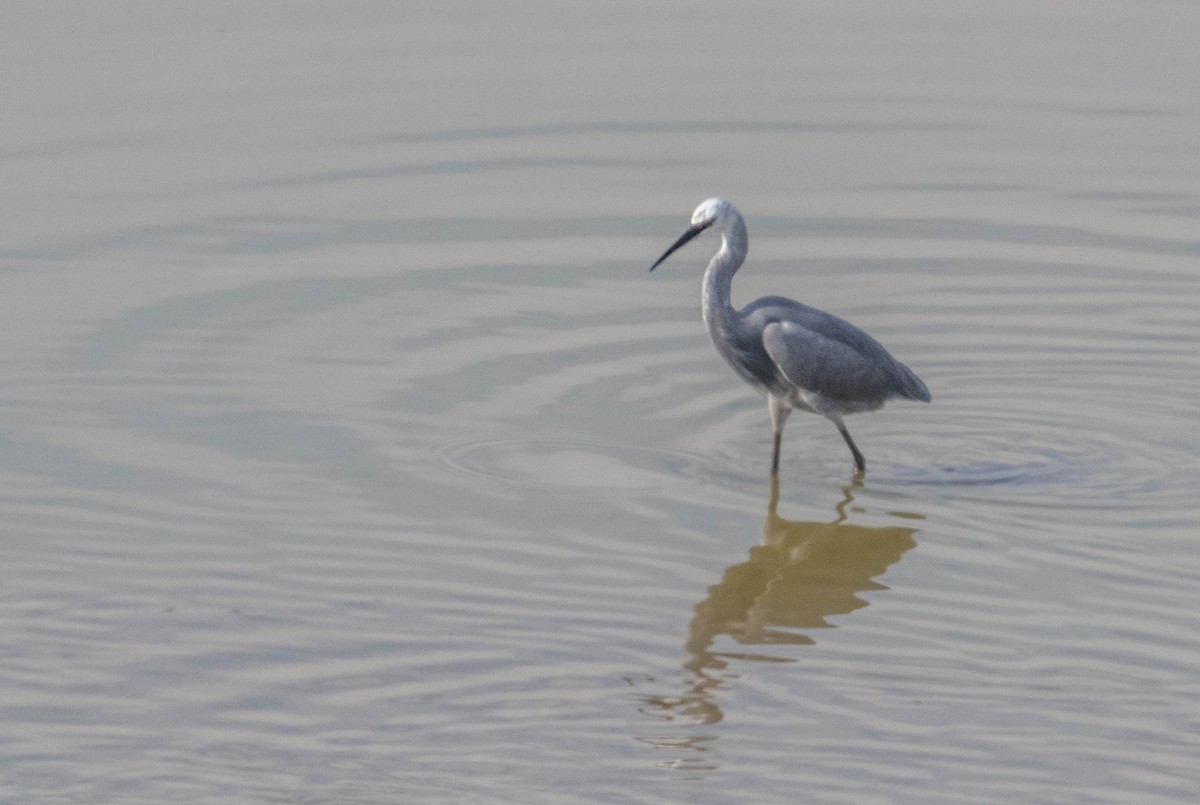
x: 718, y: 279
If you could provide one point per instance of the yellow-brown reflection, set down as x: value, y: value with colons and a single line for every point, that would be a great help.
x: 800, y: 575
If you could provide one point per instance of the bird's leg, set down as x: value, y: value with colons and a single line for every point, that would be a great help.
x: 773, y: 503
x: 779, y: 415
x: 860, y: 464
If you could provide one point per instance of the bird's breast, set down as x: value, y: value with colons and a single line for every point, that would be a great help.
x: 745, y: 354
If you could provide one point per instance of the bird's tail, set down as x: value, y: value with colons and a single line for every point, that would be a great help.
x: 911, y: 387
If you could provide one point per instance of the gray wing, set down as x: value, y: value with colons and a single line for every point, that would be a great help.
x: 853, y: 370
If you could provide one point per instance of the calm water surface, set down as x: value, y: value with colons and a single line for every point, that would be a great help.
x: 349, y: 453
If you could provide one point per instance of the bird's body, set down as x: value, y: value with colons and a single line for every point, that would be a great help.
x: 800, y: 357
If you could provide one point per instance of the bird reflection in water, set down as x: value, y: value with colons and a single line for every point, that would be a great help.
x: 796, y: 578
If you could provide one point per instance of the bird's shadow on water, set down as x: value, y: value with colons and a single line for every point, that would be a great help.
x: 798, y: 576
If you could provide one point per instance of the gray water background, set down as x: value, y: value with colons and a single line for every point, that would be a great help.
x: 350, y: 455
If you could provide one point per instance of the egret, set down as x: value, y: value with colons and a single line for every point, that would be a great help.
x: 800, y: 357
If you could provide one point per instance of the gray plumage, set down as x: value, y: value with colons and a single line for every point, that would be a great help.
x: 800, y: 357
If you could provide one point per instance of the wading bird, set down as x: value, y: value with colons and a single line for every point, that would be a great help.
x: 800, y: 357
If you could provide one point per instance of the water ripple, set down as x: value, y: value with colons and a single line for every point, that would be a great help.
x: 567, y: 464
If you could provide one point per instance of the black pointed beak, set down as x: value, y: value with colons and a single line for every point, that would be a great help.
x: 684, y: 238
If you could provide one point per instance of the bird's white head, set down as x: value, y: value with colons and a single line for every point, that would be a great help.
x: 716, y: 212
x: 713, y: 212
